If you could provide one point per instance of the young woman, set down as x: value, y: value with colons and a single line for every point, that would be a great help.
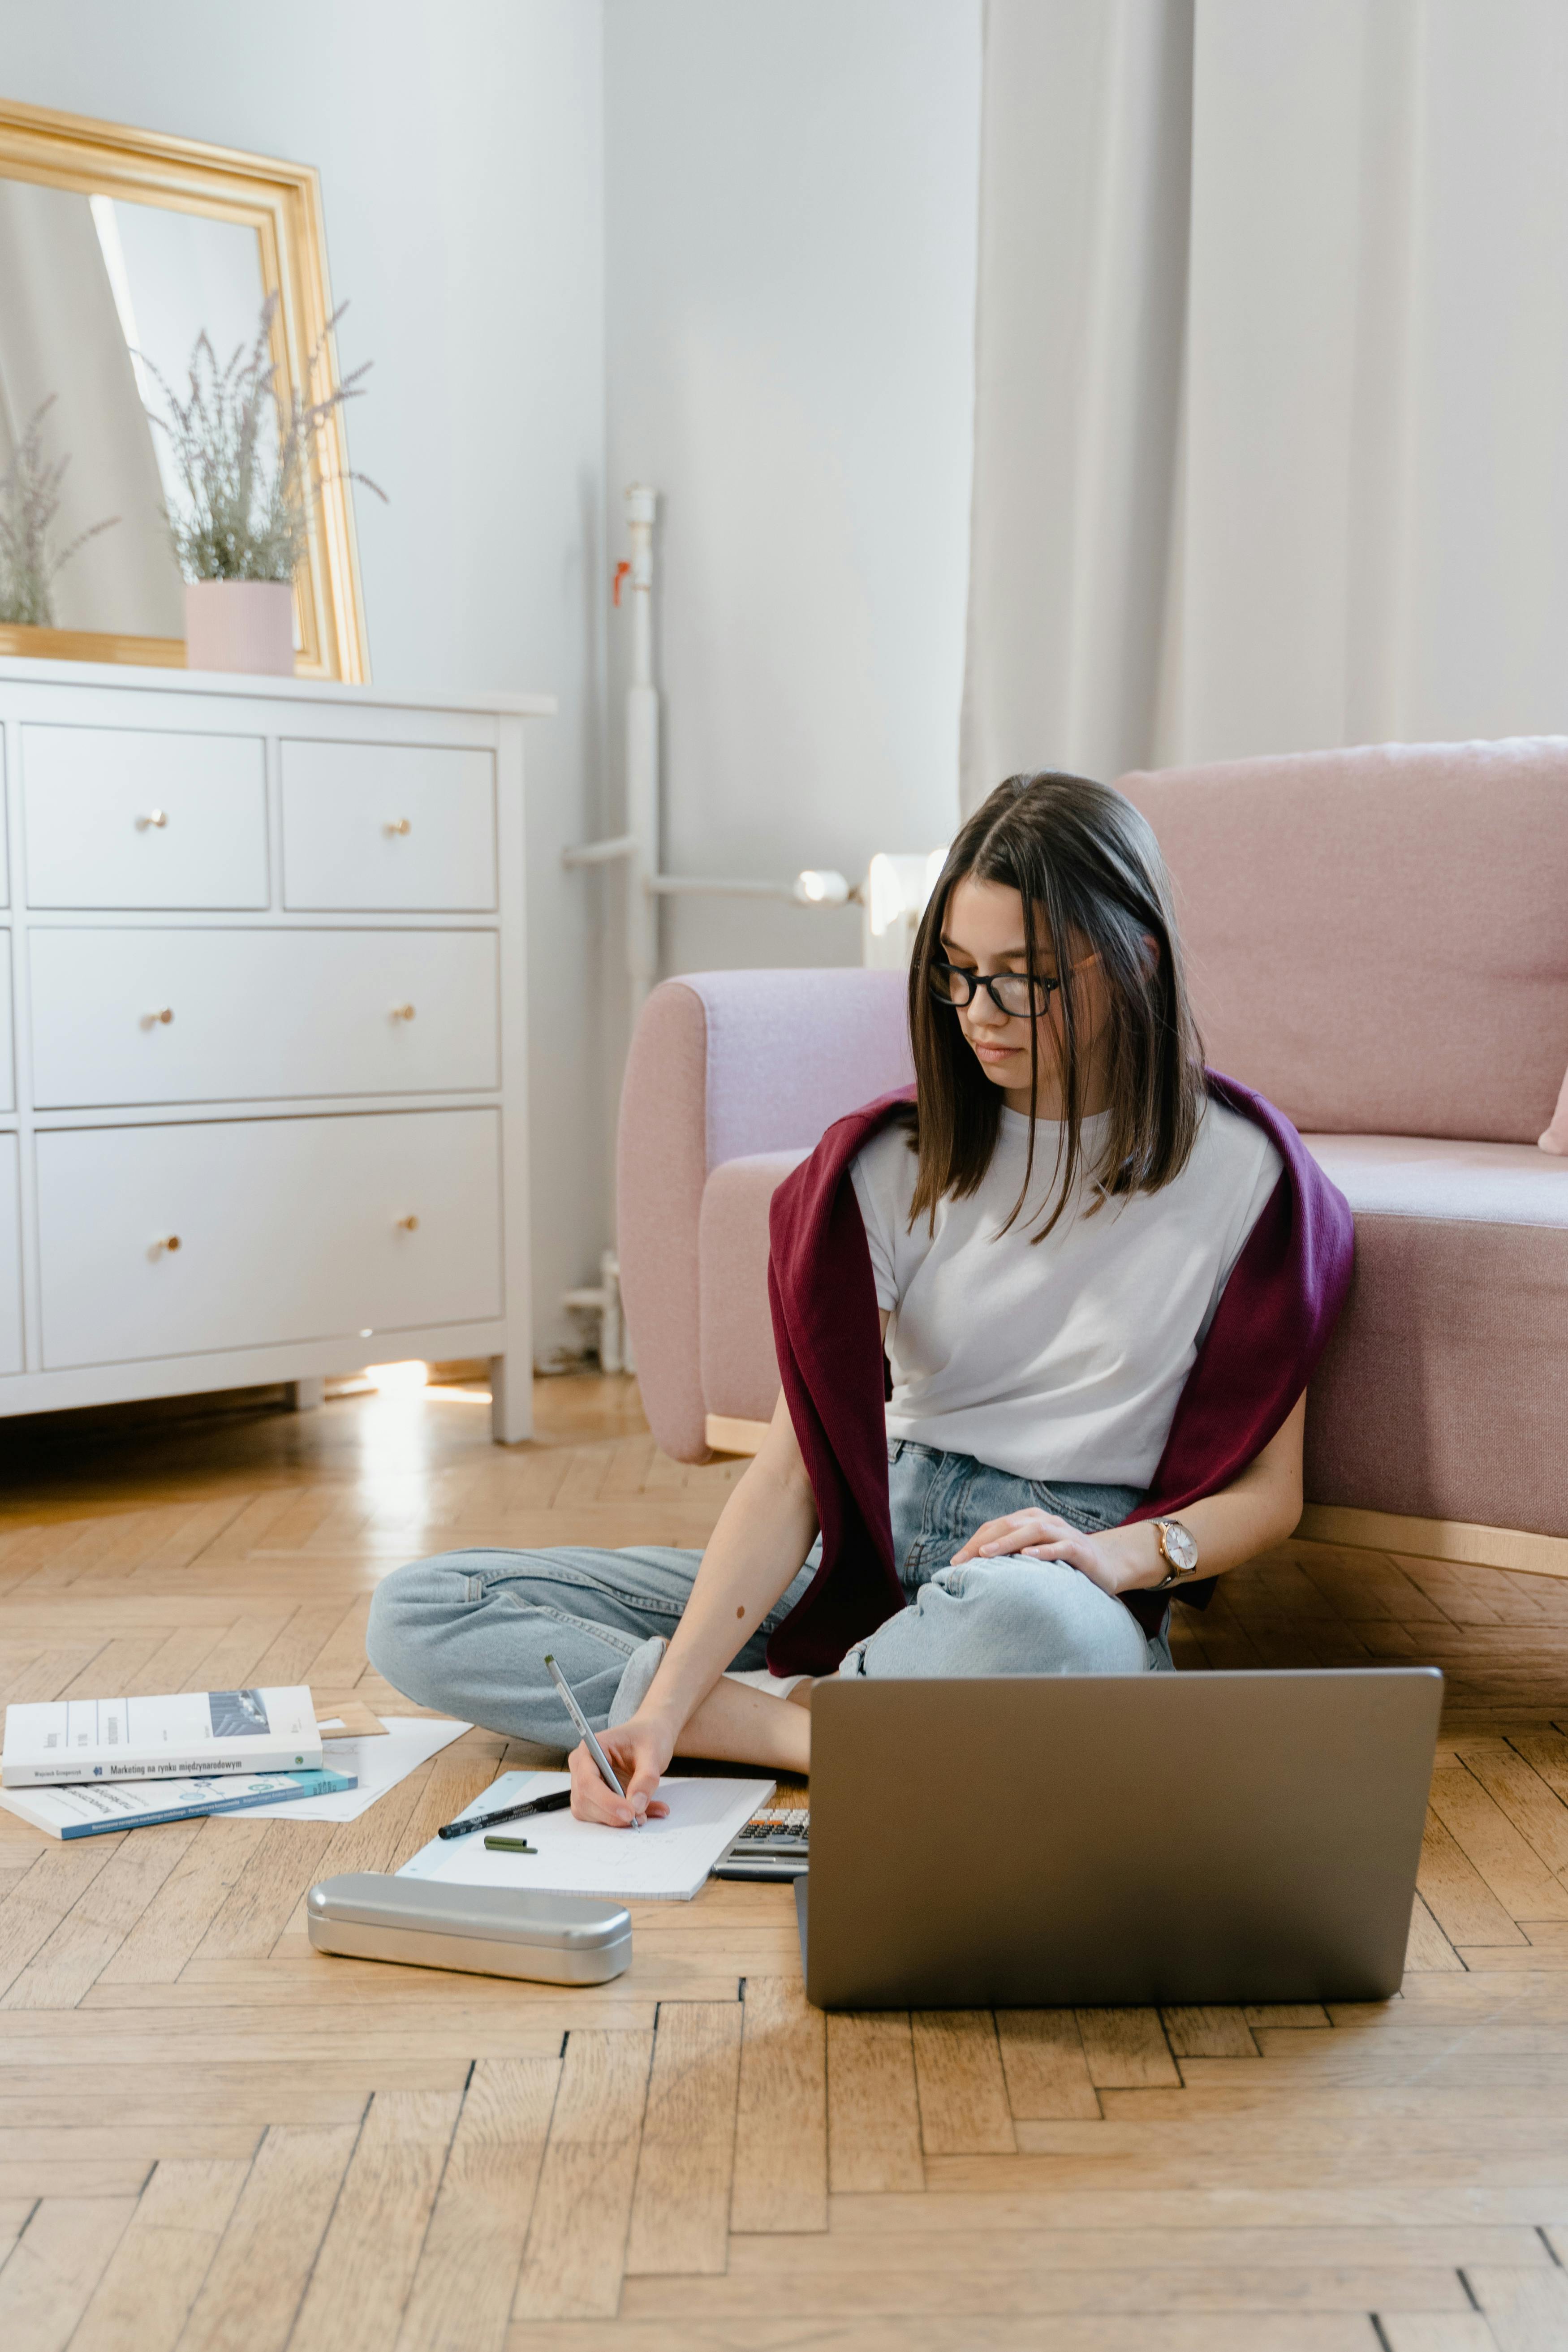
x: 1101, y: 1279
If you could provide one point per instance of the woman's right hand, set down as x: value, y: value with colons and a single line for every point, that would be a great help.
x: 639, y: 1751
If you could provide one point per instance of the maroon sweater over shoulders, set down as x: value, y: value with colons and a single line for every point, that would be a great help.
x: 1272, y: 1323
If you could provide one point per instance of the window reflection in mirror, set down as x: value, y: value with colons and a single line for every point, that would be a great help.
x: 95, y: 292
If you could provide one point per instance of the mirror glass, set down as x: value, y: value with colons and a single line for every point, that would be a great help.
x: 98, y: 295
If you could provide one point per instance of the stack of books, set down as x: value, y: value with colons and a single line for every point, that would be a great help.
x: 76, y: 1767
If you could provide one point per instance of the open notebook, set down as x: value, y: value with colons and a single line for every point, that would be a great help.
x: 666, y: 1860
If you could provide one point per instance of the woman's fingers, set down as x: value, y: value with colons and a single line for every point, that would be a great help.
x: 1061, y: 1547
x: 639, y: 1752
x: 1015, y: 1533
x: 637, y: 1762
x: 1039, y: 1528
x: 1076, y: 1552
x: 592, y: 1800
x: 641, y: 1787
x: 1009, y: 1534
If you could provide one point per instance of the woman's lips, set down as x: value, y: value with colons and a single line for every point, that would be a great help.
x: 995, y: 1053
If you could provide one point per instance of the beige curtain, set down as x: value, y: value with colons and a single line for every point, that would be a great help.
x: 1272, y: 379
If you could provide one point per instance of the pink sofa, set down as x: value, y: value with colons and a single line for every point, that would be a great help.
x: 1379, y: 941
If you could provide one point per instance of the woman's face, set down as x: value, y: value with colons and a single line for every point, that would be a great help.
x: 983, y: 933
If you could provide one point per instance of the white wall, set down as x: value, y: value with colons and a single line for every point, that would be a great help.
x: 462, y: 173
x: 791, y: 201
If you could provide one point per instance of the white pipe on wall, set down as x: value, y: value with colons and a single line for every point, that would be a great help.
x: 640, y: 844
x: 638, y: 847
x: 642, y: 756
x: 601, y: 853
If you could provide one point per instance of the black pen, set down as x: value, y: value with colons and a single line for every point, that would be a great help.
x: 511, y: 1814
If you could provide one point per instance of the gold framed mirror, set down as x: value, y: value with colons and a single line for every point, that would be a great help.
x: 116, y: 246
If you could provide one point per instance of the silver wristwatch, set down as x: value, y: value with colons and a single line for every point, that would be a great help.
x: 1179, y: 1552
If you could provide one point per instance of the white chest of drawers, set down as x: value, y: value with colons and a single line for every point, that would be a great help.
x: 263, y: 1052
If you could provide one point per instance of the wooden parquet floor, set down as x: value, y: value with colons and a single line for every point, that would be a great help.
x: 211, y: 2136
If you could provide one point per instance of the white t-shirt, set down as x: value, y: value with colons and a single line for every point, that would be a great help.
x: 1062, y: 1359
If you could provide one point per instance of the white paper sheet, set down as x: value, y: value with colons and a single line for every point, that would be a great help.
x: 666, y: 1861
x: 380, y: 1763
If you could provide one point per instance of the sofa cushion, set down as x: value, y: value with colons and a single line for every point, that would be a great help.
x: 1431, y: 1177
x: 1376, y: 937
x: 740, y: 1372
x: 1441, y: 1394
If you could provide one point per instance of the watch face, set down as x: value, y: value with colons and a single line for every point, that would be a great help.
x: 1178, y: 1545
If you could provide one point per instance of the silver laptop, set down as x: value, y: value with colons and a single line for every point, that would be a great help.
x: 1041, y: 1841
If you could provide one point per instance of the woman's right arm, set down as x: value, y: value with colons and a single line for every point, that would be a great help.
x: 763, y: 1534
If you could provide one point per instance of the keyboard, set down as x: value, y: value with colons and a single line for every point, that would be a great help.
x: 771, y: 1845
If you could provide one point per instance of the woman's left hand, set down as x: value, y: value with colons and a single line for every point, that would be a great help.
x: 1122, y: 1559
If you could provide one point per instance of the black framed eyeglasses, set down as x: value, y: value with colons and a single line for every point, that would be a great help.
x: 1012, y: 992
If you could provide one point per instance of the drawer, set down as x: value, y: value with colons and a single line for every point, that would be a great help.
x: 387, y: 827
x: 166, y: 1017
x: 287, y: 1229
x: 10, y: 1259
x: 8, y: 1052
x: 119, y: 818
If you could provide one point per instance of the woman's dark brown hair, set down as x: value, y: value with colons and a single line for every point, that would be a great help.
x: 1088, y: 870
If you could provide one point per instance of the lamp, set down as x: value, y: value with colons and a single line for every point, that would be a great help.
x: 821, y: 887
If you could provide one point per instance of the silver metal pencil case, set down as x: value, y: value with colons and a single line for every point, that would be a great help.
x: 491, y: 1931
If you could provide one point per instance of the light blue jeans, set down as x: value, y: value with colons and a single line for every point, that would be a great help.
x: 466, y: 1632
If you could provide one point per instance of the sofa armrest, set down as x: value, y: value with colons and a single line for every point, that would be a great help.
x: 725, y: 1065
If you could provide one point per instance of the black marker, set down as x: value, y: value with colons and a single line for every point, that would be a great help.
x: 510, y: 1813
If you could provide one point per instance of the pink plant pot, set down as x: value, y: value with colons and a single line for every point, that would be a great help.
x: 244, y: 625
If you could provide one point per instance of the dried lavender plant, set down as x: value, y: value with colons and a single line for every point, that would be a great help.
x: 246, y: 514
x: 29, y: 501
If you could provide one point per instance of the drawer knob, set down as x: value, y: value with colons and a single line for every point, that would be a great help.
x: 408, y: 1224
x: 152, y: 1020
x: 398, y: 824
x: 402, y: 1012
x: 168, y: 1242
x: 155, y: 817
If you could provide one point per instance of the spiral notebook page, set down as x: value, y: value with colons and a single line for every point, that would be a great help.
x: 665, y: 1861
